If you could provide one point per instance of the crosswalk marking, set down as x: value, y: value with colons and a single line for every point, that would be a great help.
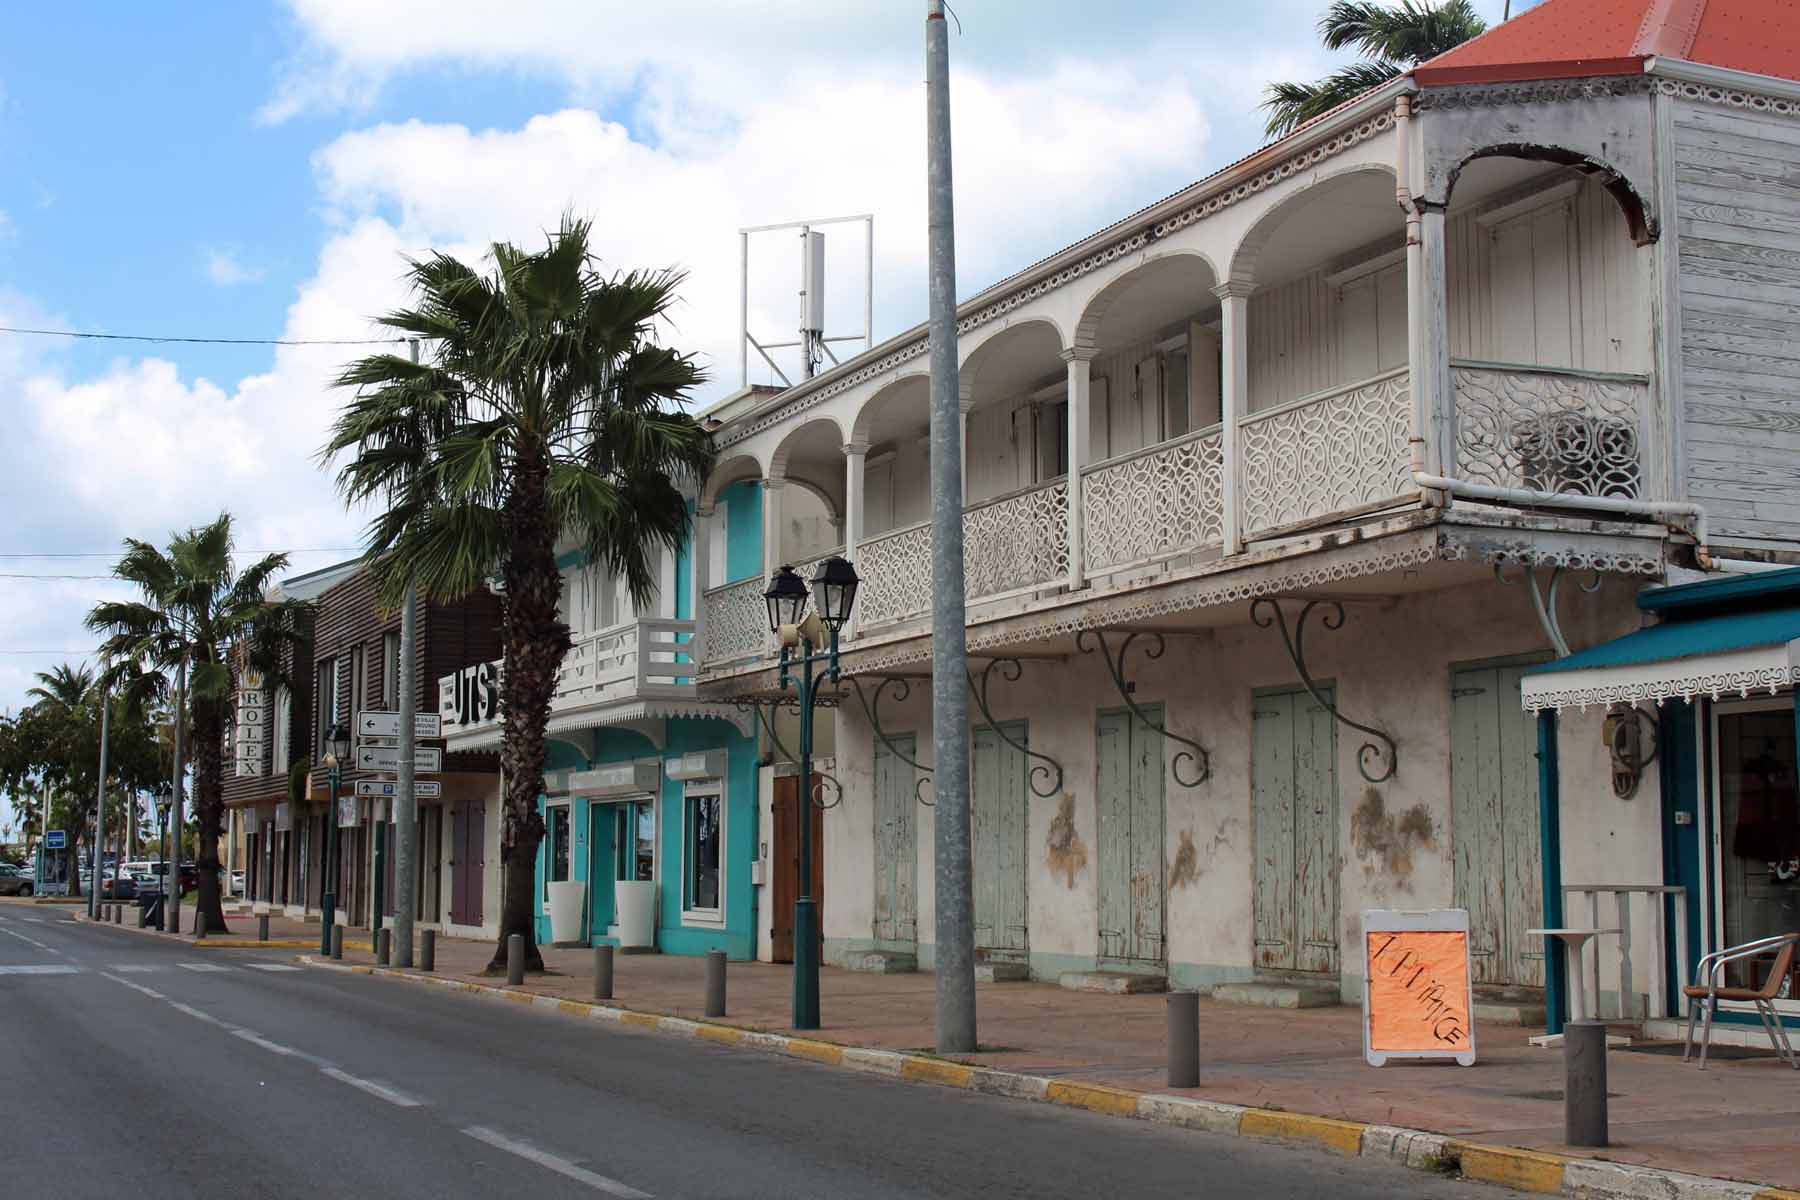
x: 38, y: 969
x: 202, y: 966
x: 137, y: 968
x: 272, y: 966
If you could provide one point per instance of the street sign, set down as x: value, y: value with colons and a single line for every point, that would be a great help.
x: 428, y: 759
x: 423, y: 789
x: 373, y: 723
x: 55, y: 839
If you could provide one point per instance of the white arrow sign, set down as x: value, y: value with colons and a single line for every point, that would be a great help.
x: 373, y: 723
x: 387, y: 789
x: 430, y: 760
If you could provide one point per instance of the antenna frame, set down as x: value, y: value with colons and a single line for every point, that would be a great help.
x: 746, y: 342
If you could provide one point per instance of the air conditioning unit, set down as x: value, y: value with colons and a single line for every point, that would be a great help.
x: 1578, y: 454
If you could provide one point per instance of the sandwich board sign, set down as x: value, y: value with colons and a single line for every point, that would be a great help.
x: 1418, y: 994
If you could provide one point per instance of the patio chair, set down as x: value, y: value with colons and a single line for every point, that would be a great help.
x: 1712, y: 989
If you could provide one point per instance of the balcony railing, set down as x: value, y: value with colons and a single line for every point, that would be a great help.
x: 1550, y: 429
x: 1154, y: 503
x: 737, y: 621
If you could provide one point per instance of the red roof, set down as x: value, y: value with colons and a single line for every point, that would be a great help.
x: 1561, y: 38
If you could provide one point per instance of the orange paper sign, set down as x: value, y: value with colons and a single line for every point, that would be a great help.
x: 1418, y: 990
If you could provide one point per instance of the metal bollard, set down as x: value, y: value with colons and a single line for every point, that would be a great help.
x: 715, y: 983
x: 603, y: 972
x: 199, y: 926
x: 1184, y: 1039
x: 337, y: 941
x: 384, y: 946
x: 515, y: 960
x: 1584, y: 1083
x: 118, y: 914
x: 262, y: 927
x: 428, y: 950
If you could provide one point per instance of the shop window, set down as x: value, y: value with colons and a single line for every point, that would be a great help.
x: 556, y: 836
x: 1759, y: 828
x: 702, y: 843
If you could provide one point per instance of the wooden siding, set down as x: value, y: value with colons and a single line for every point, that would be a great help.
x: 1738, y: 227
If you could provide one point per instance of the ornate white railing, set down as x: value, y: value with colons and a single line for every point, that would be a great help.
x: 1327, y: 455
x: 1550, y: 429
x: 1152, y: 503
x: 896, y: 575
x: 737, y: 621
x: 647, y: 656
x: 1017, y: 542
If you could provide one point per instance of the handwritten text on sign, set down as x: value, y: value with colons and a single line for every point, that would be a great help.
x: 1418, y: 990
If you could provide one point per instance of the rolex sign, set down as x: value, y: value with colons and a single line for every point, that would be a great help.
x: 251, y: 724
x: 470, y: 697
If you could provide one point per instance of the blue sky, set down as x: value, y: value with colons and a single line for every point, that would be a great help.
x: 246, y: 170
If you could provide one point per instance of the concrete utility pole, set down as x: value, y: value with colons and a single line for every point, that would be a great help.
x: 172, y: 880
x: 406, y: 804
x: 99, y: 817
x: 949, y: 647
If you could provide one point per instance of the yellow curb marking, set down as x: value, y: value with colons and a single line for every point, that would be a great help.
x: 720, y: 1033
x: 823, y: 1052
x: 1528, y: 1170
x: 933, y: 1070
x: 1343, y: 1136
x: 645, y: 1020
x: 574, y: 1008
x: 1776, y: 1194
x: 1093, y: 1097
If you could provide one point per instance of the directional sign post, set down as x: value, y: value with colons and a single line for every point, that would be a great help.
x: 387, y: 789
x: 55, y: 839
x: 373, y: 723
x: 426, y: 760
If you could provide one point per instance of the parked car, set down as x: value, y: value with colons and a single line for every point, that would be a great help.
x: 15, y: 881
x: 118, y: 885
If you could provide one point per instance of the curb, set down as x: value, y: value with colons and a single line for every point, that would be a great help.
x: 1510, y: 1166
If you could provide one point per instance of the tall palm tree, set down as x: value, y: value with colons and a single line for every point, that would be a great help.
x: 547, y: 408
x: 197, y: 610
x: 1391, y: 40
x: 63, y: 686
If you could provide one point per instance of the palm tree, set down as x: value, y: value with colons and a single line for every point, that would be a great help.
x: 200, y: 612
x: 63, y: 686
x: 548, y: 408
x: 1391, y: 40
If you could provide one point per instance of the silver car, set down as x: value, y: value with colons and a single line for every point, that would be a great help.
x: 15, y: 881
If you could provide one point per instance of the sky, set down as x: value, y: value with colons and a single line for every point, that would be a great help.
x: 243, y: 170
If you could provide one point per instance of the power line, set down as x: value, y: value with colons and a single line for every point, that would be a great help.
x: 202, y: 341
x: 33, y: 575
x: 117, y: 553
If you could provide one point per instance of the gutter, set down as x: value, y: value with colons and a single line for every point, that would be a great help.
x: 1678, y: 515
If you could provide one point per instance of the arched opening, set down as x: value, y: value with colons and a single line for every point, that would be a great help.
x: 895, y: 425
x: 1007, y: 381
x: 811, y: 460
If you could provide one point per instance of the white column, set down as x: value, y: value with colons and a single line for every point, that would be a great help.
x: 1079, y: 361
x: 700, y: 563
x: 1234, y: 400
x: 771, y: 538
x: 856, y: 455
x: 1427, y: 340
x: 965, y: 401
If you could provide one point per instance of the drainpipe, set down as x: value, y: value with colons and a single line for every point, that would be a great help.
x: 1690, y: 518
x: 1417, y: 298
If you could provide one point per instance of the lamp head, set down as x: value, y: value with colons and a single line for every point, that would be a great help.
x: 786, y: 598
x: 834, y: 586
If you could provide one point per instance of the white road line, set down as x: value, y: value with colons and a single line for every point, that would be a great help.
x: 136, y: 987
x: 200, y: 1015
x: 33, y: 920
x: 257, y: 1039
x: 271, y: 967
x: 39, y: 969
x: 202, y: 966
x: 23, y: 938
x: 552, y: 1162
x: 137, y: 968
x: 381, y: 1090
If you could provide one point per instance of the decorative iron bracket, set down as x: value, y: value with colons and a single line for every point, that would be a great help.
x: 764, y: 710
x: 1048, y: 767
x: 1544, y: 601
x: 1115, y: 666
x: 902, y: 689
x: 1295, y: 642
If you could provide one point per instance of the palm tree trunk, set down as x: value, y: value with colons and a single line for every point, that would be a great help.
x: 209, y: 807
x: 536, y: 641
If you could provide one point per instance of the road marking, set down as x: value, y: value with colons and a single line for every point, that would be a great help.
x: 380, y: 1090
x: 137, y: 968
x: 200, y: 1015
x: 257, y: 1039
x: 202, y: 966
x: 33, y: 920
x: 136, y: 987
x: 33, y: 941
x: 552, y: 1162
x: 271, y: 967
x: 39, y: 969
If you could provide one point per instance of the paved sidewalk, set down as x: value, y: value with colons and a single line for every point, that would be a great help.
x: 1738, y: 1119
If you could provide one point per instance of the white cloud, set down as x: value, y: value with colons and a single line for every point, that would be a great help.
x: 226, y: 269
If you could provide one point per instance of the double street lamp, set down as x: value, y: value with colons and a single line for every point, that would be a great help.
x: 833, y: 595
x: 337, y: 752
x: 165, y: 799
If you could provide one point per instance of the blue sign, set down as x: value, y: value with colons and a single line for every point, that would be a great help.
x: 55, y: 839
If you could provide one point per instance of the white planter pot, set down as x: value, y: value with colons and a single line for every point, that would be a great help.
x: 567, y: 903
x: 634, y: 901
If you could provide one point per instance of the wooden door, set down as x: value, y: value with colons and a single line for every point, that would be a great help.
x: 896, y: 846
x: 784, y: 863
x: 468, y: 860
x: 997, y: 829
x: 252, y: 860
x: 1130, y: 835
x: 1494, y: 836
x: 1293, y: 783
x: 604, y: 821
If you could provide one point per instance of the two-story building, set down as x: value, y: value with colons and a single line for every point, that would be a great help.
x: 1274, y: 490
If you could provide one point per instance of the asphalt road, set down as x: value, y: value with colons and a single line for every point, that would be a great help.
x: 138, y: 1068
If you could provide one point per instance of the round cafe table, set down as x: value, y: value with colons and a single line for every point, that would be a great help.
x: 1574, y: 942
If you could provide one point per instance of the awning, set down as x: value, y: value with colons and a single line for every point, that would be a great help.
x: 1716, y: 656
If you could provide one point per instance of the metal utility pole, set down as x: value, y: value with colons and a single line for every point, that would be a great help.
x: 100, y: 816
x: 406, y: 803
x: 43, y: 828
x: 949, y: 647
x: 172, y: 869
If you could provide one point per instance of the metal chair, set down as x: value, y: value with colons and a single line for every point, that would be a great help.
x: 1712, y: 989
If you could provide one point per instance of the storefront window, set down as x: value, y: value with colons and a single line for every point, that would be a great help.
x: 644, y: 849
x: 1759, y: 830
x: 556, y: 818
x: 703, y: 842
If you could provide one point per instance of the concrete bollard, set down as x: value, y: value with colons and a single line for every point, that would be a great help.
x: 118, y: 914
x: 428, y: 950
x: 384, y: 946
x: 715, y: 983
x: 1184, y: 1039
x: 603, y: 972
x: 199, y: 926
x: 1584, y: 1084
x: 262, y: 927
x: 515, y: 960
x: 337, y: 941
